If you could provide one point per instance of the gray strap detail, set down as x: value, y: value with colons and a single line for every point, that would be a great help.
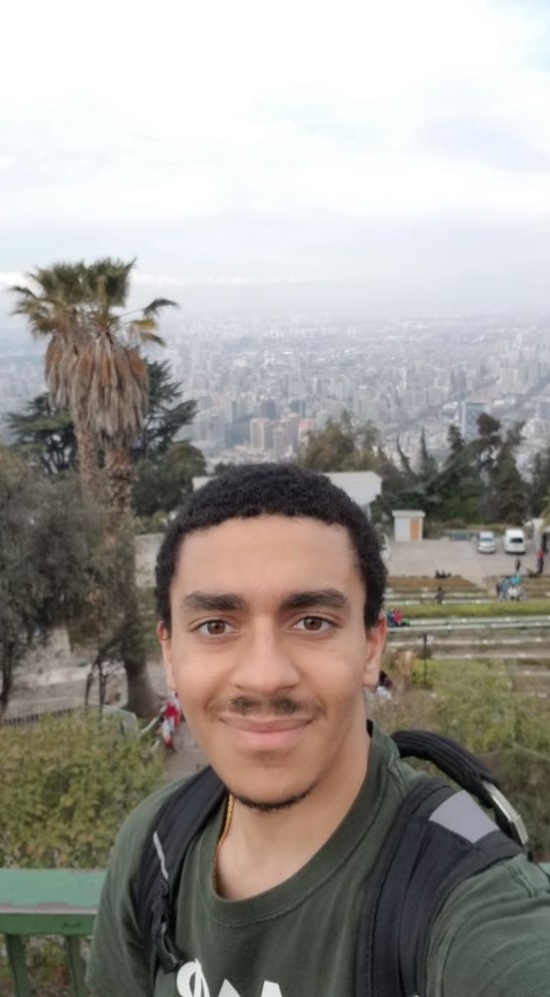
x: 461, y: 814
x: 160, y: 853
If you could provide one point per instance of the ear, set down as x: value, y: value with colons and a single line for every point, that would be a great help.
x: 376, y: 638
x: 166, y: 648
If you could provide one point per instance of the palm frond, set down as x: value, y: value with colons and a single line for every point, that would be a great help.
x: 153, y: 308
x: 25, y: 292
x: 145, y: 324
x: 142, y: 330
x: 151, y: 337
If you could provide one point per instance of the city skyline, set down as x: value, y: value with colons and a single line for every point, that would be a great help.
x: 260, y: 386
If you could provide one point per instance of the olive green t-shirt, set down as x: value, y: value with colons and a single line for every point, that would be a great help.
x: 298, y: 939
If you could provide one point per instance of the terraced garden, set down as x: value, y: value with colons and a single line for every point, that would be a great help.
x: 471, y: 624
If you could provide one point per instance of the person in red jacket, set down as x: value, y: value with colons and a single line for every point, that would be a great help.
x: 170, y: 718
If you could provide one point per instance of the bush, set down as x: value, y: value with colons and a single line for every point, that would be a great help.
x: 476, y: 704
x: 67, y: 785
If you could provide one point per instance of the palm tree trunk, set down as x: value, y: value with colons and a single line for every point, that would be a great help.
x: 120, y: 474
x: 88, y: 467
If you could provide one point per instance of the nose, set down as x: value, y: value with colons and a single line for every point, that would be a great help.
x: 265, y: 665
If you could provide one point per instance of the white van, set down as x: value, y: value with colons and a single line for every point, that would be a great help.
x: 514, y: 542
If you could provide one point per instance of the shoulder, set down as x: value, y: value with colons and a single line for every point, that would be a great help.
x: 117, y: 961
x: 491, y: 937
x: 399, y: 777
x: 134, y: 833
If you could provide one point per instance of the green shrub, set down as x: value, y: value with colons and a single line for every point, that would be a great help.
x: 67, y: 785
x: 477, y: 705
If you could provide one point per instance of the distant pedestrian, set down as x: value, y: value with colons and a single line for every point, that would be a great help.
x: 504, y: 588
x: 516, y: 592
x: 540, y: 561
x: 170, y: 718
x: 439, y: 595
x: 517, y: 566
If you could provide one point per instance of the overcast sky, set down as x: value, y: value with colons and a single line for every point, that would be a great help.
x: 392, y: 154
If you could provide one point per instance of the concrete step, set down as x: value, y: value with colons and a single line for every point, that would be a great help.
x: 475, y: 624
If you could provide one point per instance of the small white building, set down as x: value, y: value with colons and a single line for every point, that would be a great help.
x: 408, y: 524
x: 361, y: 486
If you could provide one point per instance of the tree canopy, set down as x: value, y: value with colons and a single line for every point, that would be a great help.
x: 164, y: 465
x: 45, y: 434
x: 477, y: 481
x: 46, y: 541
x: 342, y: 446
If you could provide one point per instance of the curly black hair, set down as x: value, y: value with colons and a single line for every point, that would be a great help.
x: 277, y: 490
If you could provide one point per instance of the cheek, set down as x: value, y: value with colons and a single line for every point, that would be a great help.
x: 194, y: 676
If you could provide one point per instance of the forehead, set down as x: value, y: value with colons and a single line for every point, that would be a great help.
x: 249, y: 553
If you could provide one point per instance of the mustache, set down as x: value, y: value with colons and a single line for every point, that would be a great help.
x: 279, y: 706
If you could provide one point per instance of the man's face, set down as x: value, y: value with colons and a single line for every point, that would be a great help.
x: 269, y: 653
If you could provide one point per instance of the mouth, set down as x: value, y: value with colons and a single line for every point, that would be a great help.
x: 266, y: 734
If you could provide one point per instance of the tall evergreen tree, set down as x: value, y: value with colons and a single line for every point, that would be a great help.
x: 507, y: 495
x: 538, y: 488
x: 460, y: 481
x: 455, y: 440
x: 45, y: 434
x: 427, y: 464
x: 166, y: 414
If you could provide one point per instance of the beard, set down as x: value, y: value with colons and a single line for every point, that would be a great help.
x: 272, y: 806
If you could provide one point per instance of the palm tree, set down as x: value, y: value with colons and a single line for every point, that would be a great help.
x: 93, y: 365
x: 51, y: 305
x: 109, y: 381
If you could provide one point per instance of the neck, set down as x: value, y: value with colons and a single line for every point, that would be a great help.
x: 263, y: 849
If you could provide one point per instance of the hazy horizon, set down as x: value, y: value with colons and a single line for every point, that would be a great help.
x: 385, y: 161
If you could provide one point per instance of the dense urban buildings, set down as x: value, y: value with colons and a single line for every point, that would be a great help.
x: 262, y: 384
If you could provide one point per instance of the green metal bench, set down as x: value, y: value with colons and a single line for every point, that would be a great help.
x: 48, y: 902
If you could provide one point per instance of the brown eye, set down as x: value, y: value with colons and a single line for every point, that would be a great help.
x: 313, y: 624
x: 214, y: 628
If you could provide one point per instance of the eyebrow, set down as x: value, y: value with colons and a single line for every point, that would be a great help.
x: 332, y: 598
x: 225, y: 602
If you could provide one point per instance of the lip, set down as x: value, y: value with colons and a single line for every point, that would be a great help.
x: 269, y: 734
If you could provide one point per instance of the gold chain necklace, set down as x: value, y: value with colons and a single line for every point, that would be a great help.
x: 221, y: 839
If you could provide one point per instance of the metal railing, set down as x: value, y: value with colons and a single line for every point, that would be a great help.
x: 38, y: 902
x: 61, y: 902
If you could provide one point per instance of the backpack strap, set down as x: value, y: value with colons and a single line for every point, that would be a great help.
x: 439, y: 839
x: 176, y: 824
x: 467, y: 771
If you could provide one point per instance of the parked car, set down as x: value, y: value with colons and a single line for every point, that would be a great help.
x: 486, y: 543
x: 514, y: 541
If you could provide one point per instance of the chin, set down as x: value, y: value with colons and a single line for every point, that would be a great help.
x: 269, y: 802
